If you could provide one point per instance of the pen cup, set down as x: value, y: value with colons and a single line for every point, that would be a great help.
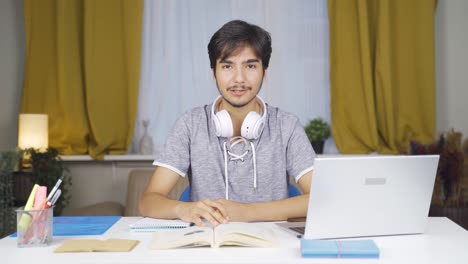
x: 34, y: 227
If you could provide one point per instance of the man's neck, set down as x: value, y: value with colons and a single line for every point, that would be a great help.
x: 238, y: 114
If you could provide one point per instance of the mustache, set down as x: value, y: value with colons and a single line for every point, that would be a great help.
x: 241, y: 86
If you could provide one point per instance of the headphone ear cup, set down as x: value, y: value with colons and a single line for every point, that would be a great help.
x: 223, y: 124
x: 252, y: 126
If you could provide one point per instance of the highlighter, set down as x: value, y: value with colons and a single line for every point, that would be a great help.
x: 25, y: 218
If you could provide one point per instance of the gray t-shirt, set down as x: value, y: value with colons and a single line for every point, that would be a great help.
x: 282, y: 150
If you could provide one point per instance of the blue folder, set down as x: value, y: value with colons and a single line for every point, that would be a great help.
x: 81, y: 225
x: 312, y: 248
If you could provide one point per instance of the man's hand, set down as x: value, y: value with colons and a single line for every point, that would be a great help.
x: 236, y: 211
x: 212, y: 211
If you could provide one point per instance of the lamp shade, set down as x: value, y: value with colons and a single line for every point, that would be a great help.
x: 33, y: 131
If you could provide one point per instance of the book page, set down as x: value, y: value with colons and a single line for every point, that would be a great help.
x: 244, y: 234
x: 182, y: 238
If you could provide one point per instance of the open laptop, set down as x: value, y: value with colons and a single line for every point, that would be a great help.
x: 369, y: 196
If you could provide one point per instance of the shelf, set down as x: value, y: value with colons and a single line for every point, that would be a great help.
x: 126, y: 157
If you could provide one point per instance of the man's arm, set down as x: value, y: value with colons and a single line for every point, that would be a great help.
x: 272, y: 211
x: 155, y: 203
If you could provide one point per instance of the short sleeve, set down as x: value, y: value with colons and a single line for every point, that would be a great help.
x: 299, y: 154
x: 176, y: 153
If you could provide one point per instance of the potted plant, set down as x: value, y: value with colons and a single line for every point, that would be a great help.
x: 317, y: 131
x: 8, y: 162
x: 450, y: 195
x: 47, y: 168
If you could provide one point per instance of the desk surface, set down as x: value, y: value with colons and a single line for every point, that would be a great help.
x: 444, y: 242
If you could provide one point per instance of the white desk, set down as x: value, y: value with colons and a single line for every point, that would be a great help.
x: 444, y: 242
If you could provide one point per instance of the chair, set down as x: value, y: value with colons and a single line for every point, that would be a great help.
x: 137, y: 182
x: 292, y: 191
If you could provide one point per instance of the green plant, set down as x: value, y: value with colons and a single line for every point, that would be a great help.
x: 47, y: 168
x: 317, y: 130
x: 8, y: 162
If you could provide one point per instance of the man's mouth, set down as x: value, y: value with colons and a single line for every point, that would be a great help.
x: 238, y: 88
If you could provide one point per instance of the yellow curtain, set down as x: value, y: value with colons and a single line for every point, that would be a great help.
x: 82, y: 69
x: 382, y: 74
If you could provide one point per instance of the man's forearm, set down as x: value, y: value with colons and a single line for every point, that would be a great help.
x: 157, y: 205
x: 278, y: 210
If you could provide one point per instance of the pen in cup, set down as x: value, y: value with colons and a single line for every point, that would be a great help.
x: 57, y: 185
x: 48, y: 205
x: 55, y: 197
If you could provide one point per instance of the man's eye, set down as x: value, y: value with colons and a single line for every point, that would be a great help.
x: 251, y: 66
x: 226, y: 66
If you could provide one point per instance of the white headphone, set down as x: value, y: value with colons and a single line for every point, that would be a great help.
x: 252, y: 126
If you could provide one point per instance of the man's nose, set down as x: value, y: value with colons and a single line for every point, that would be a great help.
x: 239, y: 76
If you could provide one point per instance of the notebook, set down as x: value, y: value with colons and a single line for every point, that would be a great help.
x: 148, y: 224
x: 96, y: 245
x: 364, y: 196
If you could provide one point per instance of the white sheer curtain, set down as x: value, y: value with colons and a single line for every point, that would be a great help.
x: 176, y: 74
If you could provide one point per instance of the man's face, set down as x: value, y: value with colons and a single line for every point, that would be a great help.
x: 239, y: 77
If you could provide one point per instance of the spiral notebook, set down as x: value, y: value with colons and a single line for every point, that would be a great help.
x: 148, y: 224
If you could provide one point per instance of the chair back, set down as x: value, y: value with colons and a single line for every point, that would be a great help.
x: 137, y: 182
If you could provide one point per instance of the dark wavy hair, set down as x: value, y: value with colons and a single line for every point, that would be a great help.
x: 236, y: 34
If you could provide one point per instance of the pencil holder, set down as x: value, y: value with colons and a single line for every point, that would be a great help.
x: 34, y: 227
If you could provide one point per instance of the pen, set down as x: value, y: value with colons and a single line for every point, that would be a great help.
x: 51, y: 194
x: 54, y: 199
x: 56, y: 196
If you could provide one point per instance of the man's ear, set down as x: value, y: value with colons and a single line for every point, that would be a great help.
x: 264, y: 74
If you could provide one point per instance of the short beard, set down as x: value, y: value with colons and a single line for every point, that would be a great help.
x: 239, y: 105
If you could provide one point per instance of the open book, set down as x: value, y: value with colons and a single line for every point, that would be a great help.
x: 231, y: 234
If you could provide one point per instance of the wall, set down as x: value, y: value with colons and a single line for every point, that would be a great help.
x: 451, y: 65
x: 451, y: 58
x: 12, y: 49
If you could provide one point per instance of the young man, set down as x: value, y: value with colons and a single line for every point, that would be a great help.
x: 238, y: 152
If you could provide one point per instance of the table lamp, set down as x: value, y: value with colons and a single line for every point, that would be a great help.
x: 33, y: 132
